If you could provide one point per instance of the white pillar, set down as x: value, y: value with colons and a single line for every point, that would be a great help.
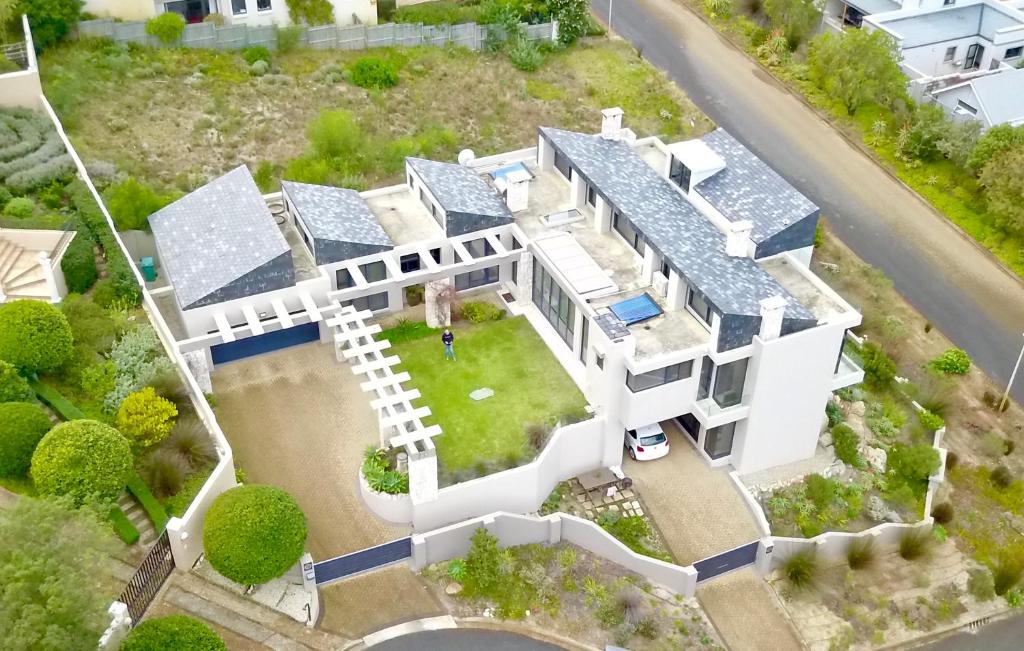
x: 438, y: 313
x: 676, y: 292
x: 51, y: 280
x: 649, y: 263
x: 772, y: 311
x: 525, y: 285
x: 197, y: 365
x: 120, y: 626
x: 577, y: 190
x: 423, y: 474
x: 602, y: 216
x: 545, y: 154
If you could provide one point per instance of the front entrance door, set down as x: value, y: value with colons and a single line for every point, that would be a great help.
x: 974, y: 54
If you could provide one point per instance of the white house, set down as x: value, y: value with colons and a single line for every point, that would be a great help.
x: 670, y: 281
x: 990, y: 99
x: 235, y: 12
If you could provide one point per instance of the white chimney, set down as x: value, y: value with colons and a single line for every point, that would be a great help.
x: 737, y: 239
x: 772, y: 311
x: 611, y: 123
x: 514, y: 187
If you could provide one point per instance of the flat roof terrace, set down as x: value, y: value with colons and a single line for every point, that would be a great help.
x: 794, y: 278
x: 403, y: 216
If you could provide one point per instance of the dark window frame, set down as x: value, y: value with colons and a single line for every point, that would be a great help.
x: 714, y: 438
x: 659, y: 376
x: 735, y: 374
x: 1013, y: 52
x: 699, y: 305
x: 238, y: 8
x: 554, y: 303
x: 625, y: 228
x: 680, y: 174
x: 410, y: 262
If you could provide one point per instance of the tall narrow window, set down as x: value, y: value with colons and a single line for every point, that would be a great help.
x: 699, y: 304
x: 718, y: 441
x: 950, y: 54
x: 679, y: 174
x: 584, y: 340
x: 591, y: 196
x: 729, y: 383
x: 562, y: 165
x: 625, y: 228
x: 707, y: 369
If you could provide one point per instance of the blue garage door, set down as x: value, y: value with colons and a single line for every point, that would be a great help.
x: 265, y: 343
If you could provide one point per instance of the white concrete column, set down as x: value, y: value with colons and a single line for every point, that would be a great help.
x: 120, y: 626
x: 423, y: 475
x: 577, y: 191
x: 438, y: 312
x: 524, y: 288
x: 602, y: 216
x: 650, y: 262
x: 199, y: 368
x: 676, y: 292
x: 545, y: 154
x: 51, y: 281
x: 772, y: 311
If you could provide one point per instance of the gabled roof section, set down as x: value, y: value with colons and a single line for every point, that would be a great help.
x: 747, y: 189
x: 458, y: 189
x: 1001, y: 96
x: 336, y: 214
x: 691, y: 244
x: 216, y: 235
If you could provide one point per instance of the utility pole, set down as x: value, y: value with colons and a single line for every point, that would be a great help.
x: 611, y: 7
x: 1013, y: 376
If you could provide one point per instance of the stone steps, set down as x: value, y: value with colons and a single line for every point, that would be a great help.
x: 137, y: 516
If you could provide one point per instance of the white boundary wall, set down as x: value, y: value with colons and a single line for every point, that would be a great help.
x: 453, y: 542
x: 22, y: 87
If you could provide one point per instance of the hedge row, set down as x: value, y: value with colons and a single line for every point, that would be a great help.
x: 155, y: 510
x: 120, y: 283
x: 56, y: 401
x: 123, y: 527
x: 79, y: 263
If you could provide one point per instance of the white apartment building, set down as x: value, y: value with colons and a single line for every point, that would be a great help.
x: 235, y: 12
x: 671, y: 281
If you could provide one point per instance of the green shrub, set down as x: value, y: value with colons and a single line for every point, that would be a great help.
x: 380, y: 477
x: 164, y: 471
x: 22, y: 426
x: 718, y: 8
x: 13, y: 387
x: 943, y: 512
x: 310, y: 12
x: 146, y: 418
x: 1001, y: 477
x: 167, y: 27
x: 952, y: 362
x: 154, y: 510
x: 861, y: 553
x: 573, y: 18
x: 525, y: 55
x: 254, y: 533
x: 801, y: 569
x: 1006, y: 574
x: 483, y: 563
x: 879, y: 368
x: 79, y: 264
x: 20, y: 207
x: 480, y: 311
x: 913, y: 465
x: 820, y: 490
x: 931, y: 422
x: 172, y: 632
x: 191, y: 441
x: 834, y: 413
x: 131, y: 202
x: 847, y: 444
x: 256, y: 53
x: 259, y: 68
x: 123, y: 527
x: 50, y: 20
x: 981, y: 584
x: 34, y: 336
x: 288, y: 38
x: 124, y: 287
x: 83, y: 459
x: 373, y: 72
x: 915, y: 544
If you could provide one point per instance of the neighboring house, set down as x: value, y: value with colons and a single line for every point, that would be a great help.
x: 30, y: 264
x: 991, y: 100
x: 235, y: 12
x: 671, y: 281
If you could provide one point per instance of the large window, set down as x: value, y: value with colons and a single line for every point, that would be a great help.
x: 658, y: 377
x: 699, y: 304
x: 372, y: 272
x: 409, y: 263
x: 718, y: 441
x: 553, y: 303
x: 262, y: 5
x: 690, y: 425
x: 476, y: 278
x: 679, y: 174
x: 624, y: 227
x: 707, y: 369
x: 729, y: 383
x: 238, y: 7
x: 373, y: 302
x: 562, y: 165
x: 1014, y: 52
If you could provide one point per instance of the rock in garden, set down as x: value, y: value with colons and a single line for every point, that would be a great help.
x: 857, y: 409
x: 893, y: 516
x: 826, y: 440
x: 875, y: 457
x: 876, y: 509
x: 453, y: 588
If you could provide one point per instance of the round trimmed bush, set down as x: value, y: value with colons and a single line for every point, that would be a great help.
x: 253, y: 533
x: 34, y: 336
x: 13, y: 387
x: 173, y: 632
x: 373, y: 72
x: 83, y: 459
x: 22, y: 425
x: 256, y: 53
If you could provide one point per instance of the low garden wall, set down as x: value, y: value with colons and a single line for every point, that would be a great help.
x: 511, y: 530
x: 572, y: 450
x: 391, y: 508
x: 22, y: 87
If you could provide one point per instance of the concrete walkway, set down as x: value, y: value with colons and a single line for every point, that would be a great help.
x: 746, y: 613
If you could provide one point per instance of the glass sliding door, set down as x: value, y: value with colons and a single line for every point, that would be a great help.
x: 729, y: 383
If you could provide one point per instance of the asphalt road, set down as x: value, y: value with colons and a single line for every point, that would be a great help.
x: 1004, y: 635
x: 463, y: 640
x: 957, y: 286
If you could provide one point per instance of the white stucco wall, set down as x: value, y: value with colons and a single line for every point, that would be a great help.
x: 123, y: 9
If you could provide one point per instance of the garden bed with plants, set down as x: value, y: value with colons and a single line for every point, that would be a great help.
x: 567, y: 590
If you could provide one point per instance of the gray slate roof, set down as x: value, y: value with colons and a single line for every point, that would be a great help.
x: 458, y: 188
x: 692, y: 245
x: 748, y: 189
x: 336, y: 214
x: 949, y: 23
x: 1001, y: 95
x: 215, y: 235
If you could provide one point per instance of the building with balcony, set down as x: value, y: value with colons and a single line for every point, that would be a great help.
x: 671, y: 281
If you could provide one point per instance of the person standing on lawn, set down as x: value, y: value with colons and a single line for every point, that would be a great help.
x: 448, y: 339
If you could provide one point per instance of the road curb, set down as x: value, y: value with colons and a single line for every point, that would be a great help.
x: 860, y: 146
x: 447, y: 622
x: 935, y: 636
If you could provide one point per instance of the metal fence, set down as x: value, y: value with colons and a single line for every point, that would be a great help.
x: 148, y: 579
x: 351, y: 37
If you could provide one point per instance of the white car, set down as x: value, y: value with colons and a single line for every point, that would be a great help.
x: 646, y: 443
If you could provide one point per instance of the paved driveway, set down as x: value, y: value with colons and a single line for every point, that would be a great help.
x: 697, y: 508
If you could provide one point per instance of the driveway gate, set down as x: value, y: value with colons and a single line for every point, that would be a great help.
x: 363, y: 560
x: 728, y: 561
x: 149, y: 578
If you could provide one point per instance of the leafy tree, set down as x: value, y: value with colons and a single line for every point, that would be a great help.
x: 131, y: 203
x: 995, y: 141
x: 146, y: 418
x: 173, y: 632
x: 83, y: 459
x: 13, y: 387
x: 311, y: 12
x: 928, y: 125
x: 254, y: 533
x: 50, y: 20
x: 167, y: 27
x: 53, y: 568
x: 483, y: 562
x: 879, y: 368
x: 913, y: 465
x: 22, y: 425
x: 857, y: 68
x: 34, y: 336
x: 960, y: 140
x: 1004, y: 187
x: 573, y: 18
x: 796, y: 18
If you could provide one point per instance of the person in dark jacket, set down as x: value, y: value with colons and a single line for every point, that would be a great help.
x: 448, y: 339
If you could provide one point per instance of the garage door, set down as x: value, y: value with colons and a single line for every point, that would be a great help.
x: 265, y: 343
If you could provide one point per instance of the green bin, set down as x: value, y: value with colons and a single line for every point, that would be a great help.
x: 148, y: 268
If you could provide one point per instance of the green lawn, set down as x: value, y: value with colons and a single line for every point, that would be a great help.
x: 507, y: 356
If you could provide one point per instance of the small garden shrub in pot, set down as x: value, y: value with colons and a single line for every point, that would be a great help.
x: 22, y: 426
x: 915, y: 544
x: 83, y: 459
x: 373, y: 72
x: 952, y: 362
x: 34, y: 336
x: 380, y: 476
x: 801, y: 569
x: 167, y: 27
x: 172, y: 632
x: 254, y: 533
x: 13, y: 387
x: 146, y: 418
